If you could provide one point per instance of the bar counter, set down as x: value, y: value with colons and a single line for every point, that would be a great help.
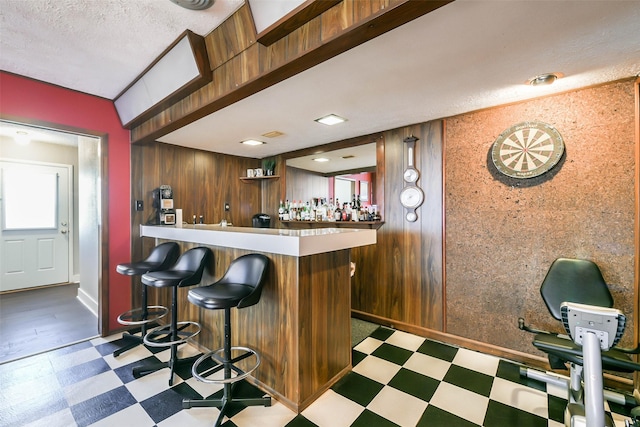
x: 301, y: 326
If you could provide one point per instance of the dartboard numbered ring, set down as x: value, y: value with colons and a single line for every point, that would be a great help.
x: 527, y: 150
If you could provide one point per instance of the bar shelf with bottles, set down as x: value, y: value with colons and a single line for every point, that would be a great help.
x: 320, y: 212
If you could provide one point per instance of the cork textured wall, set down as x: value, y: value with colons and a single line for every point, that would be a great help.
x: 502, y: 233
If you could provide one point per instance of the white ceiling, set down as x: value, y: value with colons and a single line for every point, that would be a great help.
x: 468, y: 55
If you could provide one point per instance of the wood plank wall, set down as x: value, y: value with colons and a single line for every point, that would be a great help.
x: 242, y: 67
x: 201, y: 181
x: 401, y: 277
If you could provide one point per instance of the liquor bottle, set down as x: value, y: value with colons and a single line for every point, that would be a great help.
x: 330, y: 210
x: 337, y: 212
x: 280, y: 210
x: 312, y: 211
x: 344, y: 212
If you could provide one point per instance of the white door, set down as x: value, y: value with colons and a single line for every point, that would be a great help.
x: 34, y: 221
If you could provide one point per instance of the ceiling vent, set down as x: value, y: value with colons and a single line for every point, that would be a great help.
x: 194, y: 4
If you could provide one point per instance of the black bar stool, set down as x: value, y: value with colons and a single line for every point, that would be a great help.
x: 241, y: 286
x: 187, y: 271
x: 161, y: 257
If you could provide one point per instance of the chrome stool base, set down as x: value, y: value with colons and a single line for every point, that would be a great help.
x: 162, y: 335
x: 219, y: 363
x: 138, y: 316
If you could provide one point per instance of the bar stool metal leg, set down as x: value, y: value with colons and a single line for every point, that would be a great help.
x: 226, y: 364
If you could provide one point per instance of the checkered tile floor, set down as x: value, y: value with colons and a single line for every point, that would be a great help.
x: 398, y: 379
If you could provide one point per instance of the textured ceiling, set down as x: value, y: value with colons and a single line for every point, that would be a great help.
x: 467, y: 55
x: 95, y: 46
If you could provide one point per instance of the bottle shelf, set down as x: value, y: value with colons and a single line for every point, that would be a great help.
x: 258, y: 178
x: 329, y: 224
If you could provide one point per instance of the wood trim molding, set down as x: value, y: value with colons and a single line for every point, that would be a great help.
x: 257, y: 67
x: 294, y: 20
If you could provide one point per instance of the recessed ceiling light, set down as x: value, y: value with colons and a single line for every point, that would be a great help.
x: 331, y: 120
x: 252, y: 142
x: 320, y: 159
x: 544, y: 79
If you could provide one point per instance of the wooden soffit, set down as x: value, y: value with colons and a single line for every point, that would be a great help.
x: 294, y: 20
x: 242, y: 67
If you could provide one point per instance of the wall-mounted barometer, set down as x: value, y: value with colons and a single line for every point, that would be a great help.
x: 411, y: 196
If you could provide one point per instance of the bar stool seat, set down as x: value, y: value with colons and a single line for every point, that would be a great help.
x: 187, y: 271
x: 162, y: 335
x: 161, y: 257
x: 241, y: 286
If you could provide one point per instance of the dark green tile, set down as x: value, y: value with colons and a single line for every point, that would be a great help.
x: 300, y: 421
x: 439, y: 350
x: 358, y: 388
x: 511, y: 372
x: 382, y: 333
x: 371, y: 419
x: 357, y: 357
x: 556, y: 407
x: 436, y: 417
x: 392, y: 353
x: 470, y: 380
x: 500, y: 415
x: 415, y: 384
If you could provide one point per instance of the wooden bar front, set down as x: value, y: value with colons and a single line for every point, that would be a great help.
x: 300, y: 327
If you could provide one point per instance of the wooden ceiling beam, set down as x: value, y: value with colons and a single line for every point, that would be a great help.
x: 255, y: 67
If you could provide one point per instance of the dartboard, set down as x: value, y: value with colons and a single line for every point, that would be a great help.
x: 527, y: 150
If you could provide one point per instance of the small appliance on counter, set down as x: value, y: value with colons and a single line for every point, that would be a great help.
x: 261, y: 220
x: 166, y: 214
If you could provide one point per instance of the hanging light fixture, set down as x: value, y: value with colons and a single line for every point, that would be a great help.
x: 194, y: 4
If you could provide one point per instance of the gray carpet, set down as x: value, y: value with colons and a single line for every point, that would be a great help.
x: 361, y: 329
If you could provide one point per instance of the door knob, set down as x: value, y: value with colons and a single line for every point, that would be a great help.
x: 64, y: 224
x: 63, y: 231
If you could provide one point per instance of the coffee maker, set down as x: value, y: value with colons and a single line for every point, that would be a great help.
x: 166, y: 215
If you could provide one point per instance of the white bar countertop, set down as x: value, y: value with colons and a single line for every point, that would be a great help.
x: 272, y: 240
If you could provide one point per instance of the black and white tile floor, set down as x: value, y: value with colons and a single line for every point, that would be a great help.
x: 398, y: 379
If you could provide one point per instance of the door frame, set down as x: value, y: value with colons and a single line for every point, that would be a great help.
x: 103, y: 235
x: 70, y: 205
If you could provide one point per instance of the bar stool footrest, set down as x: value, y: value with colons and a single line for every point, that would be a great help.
x: 162, y: 335
x: 214, y: 362
x: 137, y: 316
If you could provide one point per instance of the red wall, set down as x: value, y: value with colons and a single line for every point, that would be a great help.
x: 29, y: 100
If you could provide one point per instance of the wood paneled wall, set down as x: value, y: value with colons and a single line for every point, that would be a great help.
x: 304, y: 185
x: 201, y: 181
x: 400, y: 279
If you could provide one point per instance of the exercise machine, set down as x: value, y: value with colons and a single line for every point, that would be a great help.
x: 576, y: 294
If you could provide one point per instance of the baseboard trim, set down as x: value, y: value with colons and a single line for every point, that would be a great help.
x: 87, y: 301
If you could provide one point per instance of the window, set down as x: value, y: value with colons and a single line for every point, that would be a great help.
x: 29, y: 199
